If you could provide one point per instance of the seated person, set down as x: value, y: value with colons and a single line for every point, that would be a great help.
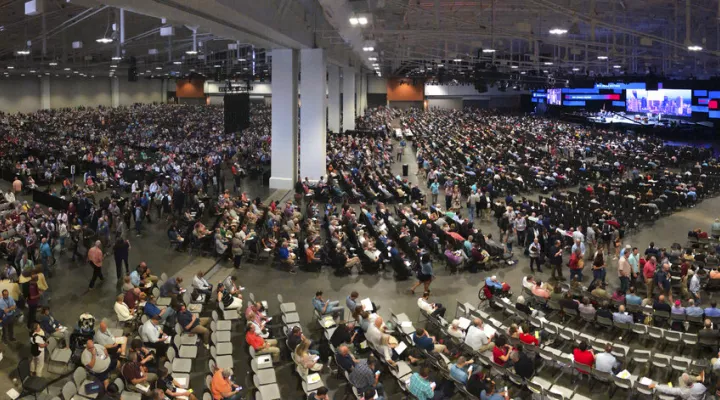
x: 222, y: 388
x: 327, y: 307
x: 496, y: 286
x: 98, y: 362
x: 228, y: 300
x: 426, y: 342
x: 172, y: 388
x: 262, y: 346
x: 433, y: 309
x: 461, y: 370
x: 137, y: 374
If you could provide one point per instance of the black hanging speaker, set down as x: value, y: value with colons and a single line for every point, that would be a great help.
x: 237, y: 112
x: 132, y: 70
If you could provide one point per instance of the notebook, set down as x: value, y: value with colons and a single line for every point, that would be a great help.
x: 313, y: 378
x: 182, y: 382
x: 624, y: 374
x: 645, y: 381
x: 367, y: 304
x: 406, y: 324
x: 489, y: 330
x: 463, y: 323
x: 400, y: 348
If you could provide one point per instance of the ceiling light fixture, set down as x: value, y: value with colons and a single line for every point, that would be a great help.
x: 372, y: 58
x: 441, y: 65
x: 617, y: 66
x: 10, y: 67
x: 354, y: 21
x: 113, y: 66
x: 457, y: 60
x: 116, y: 58
x: 158, y: 67
x: 558, y: 31
x: 32, y: 71
x: 694, y: 48
x: 242, y: 59
x: 576, y: 69
x: 23, y: 52
x: 368, y: 48
x: 66, y: 69
x: 514, y: 66
x: 602, y: 58
x: 104, y: 40
x: 177, y: 62
x: 523, y: 72
x: 191, y: 52
x: 362, y: 20
x: 488, y: 50
x: 548, y: 63
x: 53, y: 64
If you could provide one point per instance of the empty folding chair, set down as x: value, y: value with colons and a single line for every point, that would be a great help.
x: 656, y: 334
x: 660, y: 361
x: 290, y: 318
x: 674, y: 338
x: 80, y: 379
x: 285, y: 308
x: 261, y: 362
x: 160, y: 301
x: 59, y: 359
x: 220, y: 324
x: 184, y: 351
x: 268, y: 392
x: 69, y: 391
x: 126, y: 394
x: 622, y: 384
x: 228, y: 314
x: 220, y: 336
x: 182, y: 365
x: 680, y: 364
x: 264, y: 377
x: 640, y: 330
x: 224, y: 361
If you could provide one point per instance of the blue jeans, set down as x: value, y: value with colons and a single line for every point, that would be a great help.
x: 334, y: 307
x: 599, y: 274
x: 578, y: 272
x: 46, y: 265
x: 471, y: 213
x: 236, y: 396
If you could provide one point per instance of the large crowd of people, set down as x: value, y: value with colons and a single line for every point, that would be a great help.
x: 169, y: 163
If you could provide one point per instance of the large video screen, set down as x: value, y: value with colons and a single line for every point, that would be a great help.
x: 554, y: 97
x: 677, y: 102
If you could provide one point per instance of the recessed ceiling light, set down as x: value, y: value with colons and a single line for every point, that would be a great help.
x: 488, y: 50
x: 602, y: 58
x: 694, y: 48
x: 113, y: 66
x: 362, y: 20
x: 32, y: 71
x: 23, y: 52
x: 558, y: 31
x: 441, y: 65
x: 354, y: 21
x: 242, y: 59
x: 548, y: 63
x: 66, y: 69
x: 576, y: 69
x: 158, y: 67
x: 617, y: 66
x: 177, y: 62
x: 52, y: 64
x: 457, y: 60
x: 10, y: 67
x: 372, y: 58
x: 523, y: 72
x: 514, y: 66
x: 191, y: 52
x: 368, y: 48
x: 117, y: 58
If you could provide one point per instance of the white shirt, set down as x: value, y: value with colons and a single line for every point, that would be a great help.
x: 476, y: 337
x: 374, y: 335
x: 149, y: 332
x: 425, y: 306
x: 123, y: 312
x: 200, y: 283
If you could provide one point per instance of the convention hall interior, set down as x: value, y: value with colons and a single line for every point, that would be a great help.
x: 359, y: 199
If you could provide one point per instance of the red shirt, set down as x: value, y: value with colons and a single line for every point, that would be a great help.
x: 584, y: 357
x: 497, y: 353
x: 254, y: 340
x: 528, y: 338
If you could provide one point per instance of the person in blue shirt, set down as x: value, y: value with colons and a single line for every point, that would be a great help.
x: 712, y: 311
x: 460, y: 371
x: 8, y: 310
x: 45, y: 254
x: 424, y: 341
x: 287, y: 257
x: 325, y: 307
x: 435, y: 191
x: 151, y: 309
x: 631, y: 298
x: 495, y: 286
x: 691, y: 310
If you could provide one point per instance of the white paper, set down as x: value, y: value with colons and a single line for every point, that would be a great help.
x: 264, y: 304
x: 489, y: 330
x: 463, y: 323
x: 313, y: 378
x: 624, y: 374
x: 400, y: 348
x: 406, y: 324
x: 143, y: 388
x: 367, y: 304
x: 645, y: 381
x: 182, y: 382
x: 13, y: 394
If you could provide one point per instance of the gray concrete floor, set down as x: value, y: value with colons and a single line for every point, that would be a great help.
x: 70, y: 298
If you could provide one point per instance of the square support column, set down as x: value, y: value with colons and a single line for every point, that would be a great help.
x: 363, y: 93
x: 348, y: 122
x: 313, y: 105
x: 284, y: 147
x: 333, y: 98
x: 115, y: 91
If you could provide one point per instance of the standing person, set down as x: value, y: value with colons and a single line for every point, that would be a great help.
x: 556, y: 260
x: 576, y: 264
x: 45, y: 254
x: 520, y: 225
x: 33, y: 299
x: 591, y: 239
x: 598, y: 266
x: 9, y: 310
x: 448, y: 193
x: 434, y: 191
x: 95, y: 259
x: 121, y: 251
x: 535, y: 252
x: 238, y: 247
x: 425, y: 275
x: 37, y: 349
x: 624, y: 272
x: 138, y: 218
x: 472, y: 205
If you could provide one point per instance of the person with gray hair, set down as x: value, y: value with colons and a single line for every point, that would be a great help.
x: 222, y: 387
x: 688, y: 388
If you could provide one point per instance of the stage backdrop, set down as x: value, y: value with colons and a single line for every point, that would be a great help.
x: 237, y: 112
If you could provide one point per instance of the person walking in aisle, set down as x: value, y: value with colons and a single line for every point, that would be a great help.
x: 121, y: 251
x: 95, y: 259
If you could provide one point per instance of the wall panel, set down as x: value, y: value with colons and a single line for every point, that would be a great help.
x: 448, y: 103
x: 71, y: 92
x: 142, y: 91
x: 19, y: 95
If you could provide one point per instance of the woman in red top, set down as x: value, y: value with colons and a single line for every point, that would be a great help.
x: 583, y: 356
x: 527, y: 337
x: 501, y: 351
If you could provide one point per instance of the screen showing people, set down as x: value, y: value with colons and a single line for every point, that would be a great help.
x: 554, y: 97
x: 675, y: 102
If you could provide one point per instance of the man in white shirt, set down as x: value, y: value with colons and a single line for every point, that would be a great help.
x: 202, y: 285
x: 528, y: 282
x: 152, y: 335
x: 374, y: 332
x: 434, y: 309
x: 477, y: 338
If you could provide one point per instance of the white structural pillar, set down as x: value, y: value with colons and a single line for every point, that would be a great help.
x: 363, y: 92
x: 348, y: 99
x: 313, y: 106
x: 358, y: 84
x: 284, y: 164
x: 45, y: 92
x: 115, y: 91
x: 333, y: 98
